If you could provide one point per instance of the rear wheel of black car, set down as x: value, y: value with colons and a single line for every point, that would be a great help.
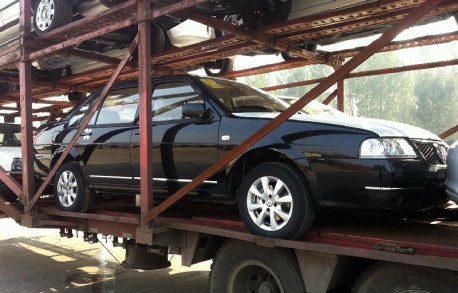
x: 266, y: 12
x: 274, y: 202
x: 51, y: 14
x: 70, y: 189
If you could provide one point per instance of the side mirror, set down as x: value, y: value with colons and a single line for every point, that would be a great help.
x: 193, y: 110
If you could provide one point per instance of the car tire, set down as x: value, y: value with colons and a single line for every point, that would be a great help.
x: 70, y: 189
x: 219, y: 67
x: 284, y: 211
x: 45, y: 21
x: 76, y: 96
x: 266, y: 12
x: 157, y: 41
x: 392, y: 277
x: 246, y: 267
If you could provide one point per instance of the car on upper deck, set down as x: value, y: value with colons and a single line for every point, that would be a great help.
x: 308, y: 164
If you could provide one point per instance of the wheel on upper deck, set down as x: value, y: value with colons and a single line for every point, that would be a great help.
x: 219, y: 67
x: 51, y: 14
x: 242, y: 267
x: 401, y: 278
x: 274, y: 201
x: 266, y: 12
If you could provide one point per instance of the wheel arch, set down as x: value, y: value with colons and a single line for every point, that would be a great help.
x: 258, y: 156
x: 72, y: 156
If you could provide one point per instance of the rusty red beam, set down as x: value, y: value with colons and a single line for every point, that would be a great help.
x: 44, y: 84
x: 340, y: 93
x: 25, y: 100
x: 391, y: 70
x: 111, y: 27
x: 339, y: 74
x: 98, y: 57
x: 293, y: 84
x: 10, y: 210
x: 411, y: 43
x: 449, y: 132
x: 7, y: 59
x: 84, y: 123
x: 290, y: 64
x: 422, y: 66
x: 257, y: 37
x: 11, y: 182
x: 330, y: 97
x: 145, y: 106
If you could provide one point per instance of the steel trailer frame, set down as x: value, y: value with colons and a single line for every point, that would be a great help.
x: 150, y: 221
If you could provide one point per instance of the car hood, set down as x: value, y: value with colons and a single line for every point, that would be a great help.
x: 382, y: 128
x: 7, y: 154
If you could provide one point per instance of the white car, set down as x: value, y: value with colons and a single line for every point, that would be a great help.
x: 10, y: 154
x: 451, y: 182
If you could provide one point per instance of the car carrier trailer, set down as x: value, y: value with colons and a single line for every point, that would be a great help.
x: 375, y: 254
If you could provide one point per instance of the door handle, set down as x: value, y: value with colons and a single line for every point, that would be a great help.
x: 136, y: 132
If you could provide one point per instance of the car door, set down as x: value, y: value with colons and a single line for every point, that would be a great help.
x: 104, y: 144
x: 183, y: 147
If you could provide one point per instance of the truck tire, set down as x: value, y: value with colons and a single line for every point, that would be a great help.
x: 51, y: 14
x: 400, y: 278
x: 274, y: 201
x: 243, y: 267
x: 70, y: 189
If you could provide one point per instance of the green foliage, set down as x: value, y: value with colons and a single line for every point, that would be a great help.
x: 425, y: 98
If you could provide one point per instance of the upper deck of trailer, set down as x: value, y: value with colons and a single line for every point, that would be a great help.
x: 237, y: 40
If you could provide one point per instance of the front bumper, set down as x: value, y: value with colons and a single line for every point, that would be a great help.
x: 451, y: 182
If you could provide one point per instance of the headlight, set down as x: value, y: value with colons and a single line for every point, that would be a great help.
x: 378, y: 148
x: 17, y: 164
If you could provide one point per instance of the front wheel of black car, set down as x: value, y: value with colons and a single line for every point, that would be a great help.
x: 274, y: 202
x: 70, y: 189
x: 51, y: 14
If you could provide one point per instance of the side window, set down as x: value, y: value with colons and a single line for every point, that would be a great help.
x: 169, y: 98
x: 79, y: 114
x: 120, y: 106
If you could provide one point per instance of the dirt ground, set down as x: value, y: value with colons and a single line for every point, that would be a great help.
x: 39, y: 260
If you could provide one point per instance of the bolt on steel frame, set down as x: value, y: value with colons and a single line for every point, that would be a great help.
x: 140, y: 12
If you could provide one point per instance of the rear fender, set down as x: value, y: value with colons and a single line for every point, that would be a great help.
x: 72, y: 156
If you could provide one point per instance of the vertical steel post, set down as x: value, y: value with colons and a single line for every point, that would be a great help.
x: 144, y: 78
x: 25, y: 84
x: 340, y: 92
x: 341, y: 95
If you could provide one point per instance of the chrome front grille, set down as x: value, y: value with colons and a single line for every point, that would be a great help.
x: 434, y: 153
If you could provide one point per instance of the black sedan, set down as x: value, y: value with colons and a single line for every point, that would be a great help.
x: 308, y: 164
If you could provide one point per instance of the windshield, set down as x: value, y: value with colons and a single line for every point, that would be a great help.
x: 237, y: 97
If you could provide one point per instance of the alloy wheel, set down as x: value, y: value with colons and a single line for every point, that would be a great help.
x: 67, y: 189
x: 269, y: 203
